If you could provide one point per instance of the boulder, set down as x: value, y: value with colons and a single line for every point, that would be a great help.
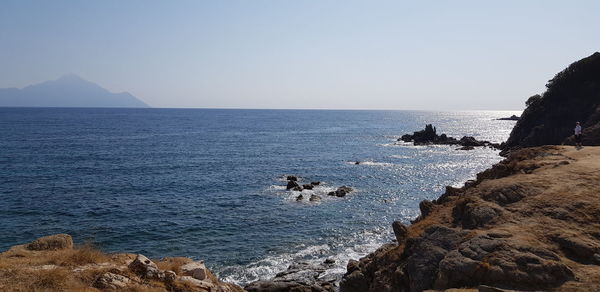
x: 470, y: 141
x: 307, y: 186
x: 298, y: 189
x: 196, y: 270
x: 426, y: 206
x: 400, y: 231
x: 292, y: 178
x: 52, y: 242
x: 299, y: 198
x: 315, y: 183
x: 111, y: 281
x: 314, y: 198
x: 466, y: 148
x: 145, y: 268
x: 292, y: 184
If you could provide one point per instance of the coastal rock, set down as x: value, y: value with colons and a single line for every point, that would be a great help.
x: 111, y: 281
x: 466, y: 148
x: 307, y: 186
x: 299, y: 198
x: 430, y: 136
x: 400, y: 231
x: 315, y: 183
x: 52, y: 242
x: 425, y: 206
x: 292, y: 178
x: 314, y: 198
x: 145, y: 268
x: 425, y: 253
x: 197, y: 270
x: 341, y: 192
x: 298, y: 277
x: 292, y: 184
x: 511, y: 118
x: 580, y: 249
x: 493, y: 261
x: 470, y: 213
x: 297, y: 189
x: 508, y: 230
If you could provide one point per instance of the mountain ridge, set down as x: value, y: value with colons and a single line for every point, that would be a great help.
x: 67, y: 91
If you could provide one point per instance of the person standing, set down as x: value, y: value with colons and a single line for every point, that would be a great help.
x: 577, y: 135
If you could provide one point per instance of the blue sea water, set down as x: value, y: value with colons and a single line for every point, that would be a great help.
x: 209, y: 183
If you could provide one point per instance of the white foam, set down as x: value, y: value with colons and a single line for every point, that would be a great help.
x: 372, y: 163
x: 358, y: 245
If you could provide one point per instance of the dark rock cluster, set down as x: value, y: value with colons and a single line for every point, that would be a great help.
x: 429, y: 136
x: 292, y: 184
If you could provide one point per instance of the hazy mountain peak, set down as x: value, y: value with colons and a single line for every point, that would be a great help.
x: 69, y: 90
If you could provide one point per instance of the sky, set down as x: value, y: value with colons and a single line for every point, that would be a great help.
x: 408, y: 55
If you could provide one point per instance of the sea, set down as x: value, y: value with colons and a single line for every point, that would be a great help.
x: 210, y: 183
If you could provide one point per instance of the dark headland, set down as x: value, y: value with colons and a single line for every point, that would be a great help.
x: 66, y: 91
x: 529, y: 223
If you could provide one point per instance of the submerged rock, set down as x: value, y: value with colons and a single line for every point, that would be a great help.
x: 314, y: 198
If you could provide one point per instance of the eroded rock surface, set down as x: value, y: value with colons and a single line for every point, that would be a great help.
x: 531, y: 222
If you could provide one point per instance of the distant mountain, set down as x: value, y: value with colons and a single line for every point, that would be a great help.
x: 67, y: 91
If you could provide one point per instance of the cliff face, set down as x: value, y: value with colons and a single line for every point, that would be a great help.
x: 572, y: 95
x: 531, y: 222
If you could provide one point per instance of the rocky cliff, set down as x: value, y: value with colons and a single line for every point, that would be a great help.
x: 531, y: 222
x: 572, y: 95
x: 52, y: 263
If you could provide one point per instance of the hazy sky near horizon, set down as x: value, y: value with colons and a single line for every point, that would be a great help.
x: 438, y: 55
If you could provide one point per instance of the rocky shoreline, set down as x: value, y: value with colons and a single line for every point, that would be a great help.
x: 531, y: 222
x: 53, y: 263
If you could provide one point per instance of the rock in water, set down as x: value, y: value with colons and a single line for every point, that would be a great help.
x: 291, y: 184
x: 292, y: 178
x: 314, y: 198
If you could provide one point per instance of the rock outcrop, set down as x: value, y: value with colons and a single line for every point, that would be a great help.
x: 572, y: 95
x: 429, y: 136
x: 531, y: 222
x: 299, y: 277
x: 511, y: 118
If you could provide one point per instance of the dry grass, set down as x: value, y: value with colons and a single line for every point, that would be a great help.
x: 24, y: 270
x: 173, y: 264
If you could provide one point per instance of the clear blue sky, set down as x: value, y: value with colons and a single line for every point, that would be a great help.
x: 301, y: 54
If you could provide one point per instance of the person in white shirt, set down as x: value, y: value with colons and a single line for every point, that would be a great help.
x: 578, y: 135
